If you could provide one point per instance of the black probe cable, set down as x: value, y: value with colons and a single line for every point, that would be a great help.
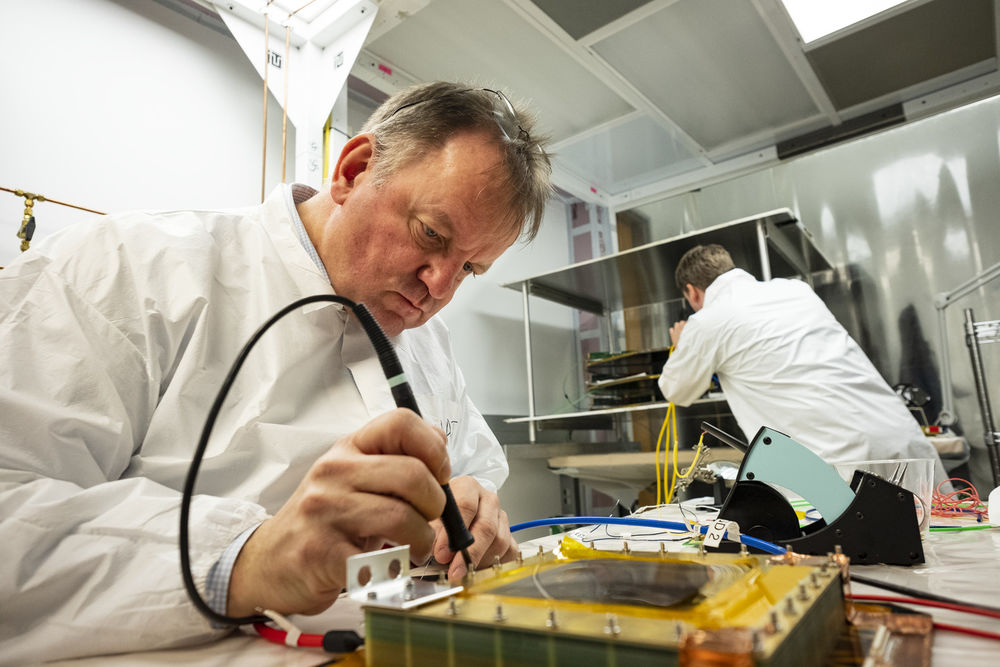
x: 459, y: 537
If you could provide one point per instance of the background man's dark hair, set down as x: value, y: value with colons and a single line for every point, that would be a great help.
x: 701, y: 265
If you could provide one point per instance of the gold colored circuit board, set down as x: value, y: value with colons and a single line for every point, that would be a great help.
x: 588, y: 607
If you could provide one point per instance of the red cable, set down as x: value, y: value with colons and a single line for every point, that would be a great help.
x: 961, y: 501
x: 928, y: 603
x: 967, y: 631
x: 278, y: 636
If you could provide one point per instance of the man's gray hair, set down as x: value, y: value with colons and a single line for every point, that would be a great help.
x: 701, y: 265
x: 422, y: 118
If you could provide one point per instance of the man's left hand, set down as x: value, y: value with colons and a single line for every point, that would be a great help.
x: 487, y: 523
x: 675, y: 331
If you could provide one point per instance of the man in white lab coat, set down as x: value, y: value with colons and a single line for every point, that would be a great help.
x: 117, y: 334
x: 784, y: 361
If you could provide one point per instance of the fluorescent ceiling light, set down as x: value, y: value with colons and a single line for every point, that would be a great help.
x: 818, y: 18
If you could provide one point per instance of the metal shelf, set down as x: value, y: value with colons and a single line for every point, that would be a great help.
x: 769, y: 245
x: 644, y: 275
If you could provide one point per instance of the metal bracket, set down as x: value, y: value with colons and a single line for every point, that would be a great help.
x: 382, y: 579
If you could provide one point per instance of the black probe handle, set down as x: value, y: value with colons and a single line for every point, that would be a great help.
x: 459, y: 537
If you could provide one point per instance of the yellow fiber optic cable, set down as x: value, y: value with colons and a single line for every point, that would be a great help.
x: 656, y: 461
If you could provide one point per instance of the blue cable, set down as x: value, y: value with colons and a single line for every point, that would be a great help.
x: 766, y: 547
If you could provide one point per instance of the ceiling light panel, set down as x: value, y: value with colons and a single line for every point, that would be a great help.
x: 818, y: 18
x: 713, y: 67
x: 497, y: 47
x: 306, y: 11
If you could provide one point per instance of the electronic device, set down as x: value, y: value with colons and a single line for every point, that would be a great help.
x: 872, y: 520
x: 581, y: 606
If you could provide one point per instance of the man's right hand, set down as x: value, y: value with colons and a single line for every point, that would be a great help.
x: 675, y: 331
x: 380, y: 484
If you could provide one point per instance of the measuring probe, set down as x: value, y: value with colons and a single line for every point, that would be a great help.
x: 459, y: 537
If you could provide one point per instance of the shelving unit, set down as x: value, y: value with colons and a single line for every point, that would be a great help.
x: 769, y: 245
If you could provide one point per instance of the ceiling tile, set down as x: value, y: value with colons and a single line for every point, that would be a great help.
x: 714, y: 68
x: 582, y: 17
x: 485, y: 42
x: 906, y: 49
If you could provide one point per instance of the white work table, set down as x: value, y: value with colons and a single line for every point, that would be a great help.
x: 963, y: 565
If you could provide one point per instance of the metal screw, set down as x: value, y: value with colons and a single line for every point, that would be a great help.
x: 408, y: 593
x: 790, y: 606
x: 499, y: 617
x: 775, y: 624
x: 627, y: 551
x: 372, y: 595
x: 803, y: 593
x: 452, y: 607
x: 758, y: 641
x: 550, y: 622
x: 612, y: 627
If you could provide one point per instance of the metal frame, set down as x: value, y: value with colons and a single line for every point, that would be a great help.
x: 976, y: 333
x: 947, y: 415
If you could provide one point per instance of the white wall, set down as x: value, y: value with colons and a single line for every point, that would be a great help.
x: 115, y: 105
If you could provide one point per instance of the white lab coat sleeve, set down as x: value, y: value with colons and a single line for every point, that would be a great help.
x: 688, y: 371
x: 91, y: 562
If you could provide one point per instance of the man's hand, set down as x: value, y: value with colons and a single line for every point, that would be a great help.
x: 487, y: 523
x: 380, y: 484
x: 675, y: 331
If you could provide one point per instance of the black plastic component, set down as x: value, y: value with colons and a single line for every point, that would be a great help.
x: 459, y: 537
x: 342, y: 641
x: 879, y: 526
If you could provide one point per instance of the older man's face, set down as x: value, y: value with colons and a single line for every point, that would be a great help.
x: 403, y: 247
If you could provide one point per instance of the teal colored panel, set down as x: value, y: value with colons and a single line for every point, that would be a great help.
x: 794, y: 466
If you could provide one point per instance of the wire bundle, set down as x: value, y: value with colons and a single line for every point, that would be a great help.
x: 670, y: 428
x: 964, y: 500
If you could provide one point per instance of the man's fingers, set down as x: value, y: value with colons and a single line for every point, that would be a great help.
x: 399, y: 477
x: 385, y: 519
x: 403, y: 432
